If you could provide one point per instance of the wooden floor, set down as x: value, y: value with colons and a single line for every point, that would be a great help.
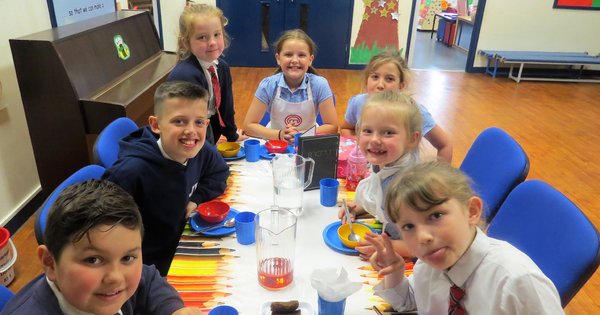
x: 557, y: 124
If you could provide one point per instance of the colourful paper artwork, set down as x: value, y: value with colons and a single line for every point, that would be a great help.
x: 577, y: 4
x: 378, y: 30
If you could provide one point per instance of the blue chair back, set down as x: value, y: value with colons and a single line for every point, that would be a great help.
x: 544, y: 224
x: 81, y: 175
x: 106, y: 147
x: 496, y: 163
x: 5, y: 296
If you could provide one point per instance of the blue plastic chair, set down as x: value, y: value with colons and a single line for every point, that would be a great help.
x: 544, y: 224
x: 5, y: 296
x: 106, y: 147
x: 81, y: 175
x: 496, y: 163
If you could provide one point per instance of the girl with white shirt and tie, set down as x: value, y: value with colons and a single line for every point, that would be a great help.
x: 201, y: 42
x: 459, y: 270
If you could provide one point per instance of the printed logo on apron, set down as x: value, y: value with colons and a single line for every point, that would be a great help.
x: 301, y: 115
x: 294, y: 120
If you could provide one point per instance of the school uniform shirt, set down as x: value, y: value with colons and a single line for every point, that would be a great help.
x: 300, y: 107
x: 497, y: 278
x: 153, y: 296
x: 191, y: 70
x: 370, y: 192
x: 162, y: 189
x: 355, y: 106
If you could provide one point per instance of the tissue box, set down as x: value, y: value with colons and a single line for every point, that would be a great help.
x: 346, y: 146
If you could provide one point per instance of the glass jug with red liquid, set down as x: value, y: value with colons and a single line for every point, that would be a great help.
x: 275, y: 231
x: 356, y: 169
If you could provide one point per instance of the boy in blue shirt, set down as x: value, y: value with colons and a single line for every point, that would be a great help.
x: 92, y: 260
x: 168, y: 169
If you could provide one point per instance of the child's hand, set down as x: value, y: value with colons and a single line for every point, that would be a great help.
x: 190, y: 209
x: 288, y: 133
x: 241, y: 135
x: 222, y: 139
x: 188, y: 311
x: 384, y: 260
x: 365, y: 249
x: 354, y: 210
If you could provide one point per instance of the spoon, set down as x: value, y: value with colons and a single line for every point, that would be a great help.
x: 352, y: 236
x: 229, y: 223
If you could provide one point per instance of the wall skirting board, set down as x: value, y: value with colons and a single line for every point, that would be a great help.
x: 25, y: 210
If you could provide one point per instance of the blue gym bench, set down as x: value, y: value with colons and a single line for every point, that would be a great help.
x: 522, y: 58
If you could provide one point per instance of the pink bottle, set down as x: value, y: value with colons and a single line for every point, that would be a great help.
x: 356, y: 169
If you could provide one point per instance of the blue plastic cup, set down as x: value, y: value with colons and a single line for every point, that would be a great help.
x: 244, y: 227
x: 297, y: 139
x: 252, y: 150
x: 329, y: 191
x: 223, y: 310
x: 331, y: 308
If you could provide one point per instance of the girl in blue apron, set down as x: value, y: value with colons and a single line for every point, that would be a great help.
x: 293, y: 96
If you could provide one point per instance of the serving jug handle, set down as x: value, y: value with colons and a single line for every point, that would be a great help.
x: 310, y: 170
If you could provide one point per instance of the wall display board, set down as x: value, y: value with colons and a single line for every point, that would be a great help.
x: 63, y: 12
x: 577, y: 4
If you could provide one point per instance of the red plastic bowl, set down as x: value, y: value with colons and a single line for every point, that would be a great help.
x: 276, y: 146
x: 213, y: 211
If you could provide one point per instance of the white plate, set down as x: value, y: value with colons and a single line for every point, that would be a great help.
x: 305, y: 309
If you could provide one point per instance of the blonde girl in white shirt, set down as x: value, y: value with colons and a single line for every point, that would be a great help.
x: 389, y: 132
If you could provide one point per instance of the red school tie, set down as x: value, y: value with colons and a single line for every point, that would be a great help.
x: 456, y: 294
x: 216, y: 92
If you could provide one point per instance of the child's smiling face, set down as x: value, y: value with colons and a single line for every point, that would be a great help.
x: 207, y: 40
x: 441, y: 235
x: 382, y: 137
x: 100, y: 272
x: 294, y: 59
x: 182, y: 127
x: 386, y: 77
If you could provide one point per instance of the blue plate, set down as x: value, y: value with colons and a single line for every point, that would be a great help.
x: 241, y: 154
x: 196, y: 223
x: 333, y: 240
x: 264, y: 153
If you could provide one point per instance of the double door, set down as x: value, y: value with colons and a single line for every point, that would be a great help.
x: 255, y: 25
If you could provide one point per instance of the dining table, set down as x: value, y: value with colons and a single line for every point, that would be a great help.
x: 218, y: 270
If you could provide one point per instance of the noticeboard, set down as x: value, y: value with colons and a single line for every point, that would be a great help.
x: 63, y: 12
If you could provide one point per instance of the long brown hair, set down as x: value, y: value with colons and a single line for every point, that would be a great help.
x: 427, y: 185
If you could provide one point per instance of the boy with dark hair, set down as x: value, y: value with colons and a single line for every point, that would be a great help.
x: 168, y: 169
x: 92, y: 260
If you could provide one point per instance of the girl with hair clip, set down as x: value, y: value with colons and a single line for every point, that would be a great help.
x: 294, y: 95
x: 386, y: 71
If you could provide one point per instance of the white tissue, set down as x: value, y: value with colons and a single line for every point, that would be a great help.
x: 333, y: 287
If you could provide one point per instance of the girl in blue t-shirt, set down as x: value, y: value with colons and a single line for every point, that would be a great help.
x: 294, y: 95
x: 388, y: 71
